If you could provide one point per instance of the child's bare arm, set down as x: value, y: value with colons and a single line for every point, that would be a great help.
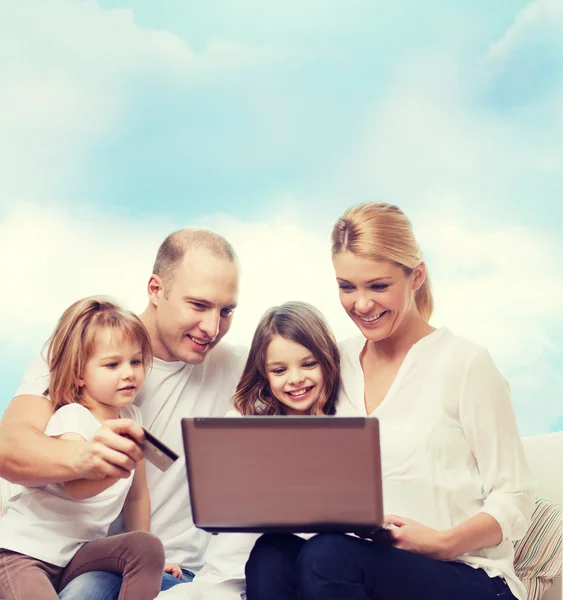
x: 137, y: 508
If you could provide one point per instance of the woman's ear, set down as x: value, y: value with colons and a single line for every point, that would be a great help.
x: 419, y: 276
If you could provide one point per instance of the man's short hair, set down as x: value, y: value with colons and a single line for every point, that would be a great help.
x: 174, y: 247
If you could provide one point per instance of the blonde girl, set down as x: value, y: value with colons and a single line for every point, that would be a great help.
x: 97, y: 356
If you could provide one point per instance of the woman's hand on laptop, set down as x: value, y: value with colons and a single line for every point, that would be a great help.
x: 412, y: 536
x: 114, y: 451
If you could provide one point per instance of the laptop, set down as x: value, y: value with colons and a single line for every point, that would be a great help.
x: 284, y: 474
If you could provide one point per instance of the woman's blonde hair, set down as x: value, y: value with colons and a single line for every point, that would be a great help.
x: 305, y: 325
x: 72, y: 343
x: 382, y: 232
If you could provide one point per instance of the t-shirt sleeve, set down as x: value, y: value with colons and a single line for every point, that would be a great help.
x: 35, y: 379
x: 73, y: 418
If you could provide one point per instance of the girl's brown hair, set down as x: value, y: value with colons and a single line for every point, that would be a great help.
x: 72, y: 343
x: 383, y: 232
x: 305, y: 325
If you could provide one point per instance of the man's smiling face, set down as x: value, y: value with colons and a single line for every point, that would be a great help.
x: 194, y: 310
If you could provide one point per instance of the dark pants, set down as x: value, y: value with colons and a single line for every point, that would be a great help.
x: 340, y: 567
x: 138, y: 556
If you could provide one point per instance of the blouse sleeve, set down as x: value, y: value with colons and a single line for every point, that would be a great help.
x: 490, y: 429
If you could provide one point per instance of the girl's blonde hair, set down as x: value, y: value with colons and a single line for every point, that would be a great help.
x: 301, y: 323
x: 72, y: 343
x: 383, y: 232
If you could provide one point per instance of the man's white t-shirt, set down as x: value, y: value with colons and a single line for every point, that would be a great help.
x: 49, y: 524
x: 449, y: 443
x: 171, y: 391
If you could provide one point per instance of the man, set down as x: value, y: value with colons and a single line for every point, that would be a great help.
x: 193, y: 293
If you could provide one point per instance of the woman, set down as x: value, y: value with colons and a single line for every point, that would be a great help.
x: 455, y: 482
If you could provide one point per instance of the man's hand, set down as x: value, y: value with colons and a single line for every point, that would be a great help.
x: 412, y: 536
x: 113, y: 452
x: 173, y: 570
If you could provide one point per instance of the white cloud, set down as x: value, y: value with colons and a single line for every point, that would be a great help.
x: 52, y: 259
x: 68, y: 73
x: 424, y: 147
x: 56, y: 258
x: 501, y: 287
x: 535, y: 22
x: 498, y: 288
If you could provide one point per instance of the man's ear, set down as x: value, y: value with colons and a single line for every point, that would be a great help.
x: 155, y: 289
x: 419, y: 276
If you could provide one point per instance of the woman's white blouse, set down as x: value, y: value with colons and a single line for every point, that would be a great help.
x: 449, y: 443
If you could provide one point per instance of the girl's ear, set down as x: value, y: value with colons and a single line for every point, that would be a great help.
x: 79, y: 382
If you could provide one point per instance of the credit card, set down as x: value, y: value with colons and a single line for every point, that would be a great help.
x: 157, y: 453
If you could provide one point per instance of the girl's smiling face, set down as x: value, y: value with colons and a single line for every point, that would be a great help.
x: 294, y: 375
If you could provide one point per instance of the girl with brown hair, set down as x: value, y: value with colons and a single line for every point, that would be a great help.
x: 293, y: 369
x: 293, y: 365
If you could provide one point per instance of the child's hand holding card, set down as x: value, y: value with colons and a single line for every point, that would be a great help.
x: 158, y: 453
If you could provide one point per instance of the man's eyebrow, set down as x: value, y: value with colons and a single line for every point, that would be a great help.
x: 198, y: 300
x: 207, y: 302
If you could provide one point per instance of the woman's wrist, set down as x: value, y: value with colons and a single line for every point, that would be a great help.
x: 447, y: 545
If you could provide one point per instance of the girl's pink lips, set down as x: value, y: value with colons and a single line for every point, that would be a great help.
x: 127, y: 388
x: 306, y: 392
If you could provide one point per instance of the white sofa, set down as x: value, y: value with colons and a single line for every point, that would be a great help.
x: 545, y: 457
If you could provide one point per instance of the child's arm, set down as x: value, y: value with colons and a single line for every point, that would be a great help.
x: 137, y: 510
x: 81, y: 489
x: 137, y: 507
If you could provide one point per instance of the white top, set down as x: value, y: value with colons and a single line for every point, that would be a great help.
x: 173, y: 390
x: 449, y: 443
x: 49, y: 524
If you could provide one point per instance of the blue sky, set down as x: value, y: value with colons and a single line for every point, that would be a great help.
x: 121, y: 121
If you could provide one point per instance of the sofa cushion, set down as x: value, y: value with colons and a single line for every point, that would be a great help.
x: 538, y: 555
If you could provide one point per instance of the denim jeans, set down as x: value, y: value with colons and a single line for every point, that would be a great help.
x: 333, y: 567
x: 103, y: 585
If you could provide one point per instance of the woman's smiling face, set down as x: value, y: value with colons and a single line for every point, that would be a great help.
x: 376, y: 294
